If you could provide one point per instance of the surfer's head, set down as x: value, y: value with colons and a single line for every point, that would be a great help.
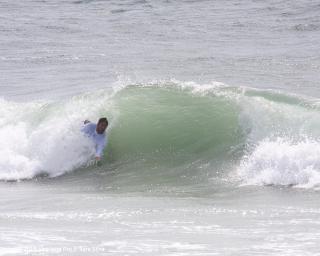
x: 102, y: 125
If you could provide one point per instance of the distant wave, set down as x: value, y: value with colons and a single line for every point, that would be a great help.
x: 307, y: 27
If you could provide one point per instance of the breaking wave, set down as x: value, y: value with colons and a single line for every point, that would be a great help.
x: 182, y: 129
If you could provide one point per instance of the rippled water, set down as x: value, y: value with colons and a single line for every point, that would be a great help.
x: 65, y: 47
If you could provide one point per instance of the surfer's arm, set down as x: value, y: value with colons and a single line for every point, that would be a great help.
x: 100, y: 147
x: 88, y: 128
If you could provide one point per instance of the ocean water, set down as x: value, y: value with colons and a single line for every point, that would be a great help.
x: 214, y: 129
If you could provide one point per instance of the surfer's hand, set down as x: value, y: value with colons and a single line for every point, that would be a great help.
x: 98, y: 162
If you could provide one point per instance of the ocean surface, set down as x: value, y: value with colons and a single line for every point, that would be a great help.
x: 214, y: 135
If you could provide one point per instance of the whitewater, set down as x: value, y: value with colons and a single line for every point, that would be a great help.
x: 214, y: 127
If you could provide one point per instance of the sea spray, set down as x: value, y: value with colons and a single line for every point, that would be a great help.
x: 282, y: 162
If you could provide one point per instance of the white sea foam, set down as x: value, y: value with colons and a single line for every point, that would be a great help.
x: 44, y: 139
x: 283, y: 162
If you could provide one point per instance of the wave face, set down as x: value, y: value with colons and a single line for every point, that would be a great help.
x: 161, y: 132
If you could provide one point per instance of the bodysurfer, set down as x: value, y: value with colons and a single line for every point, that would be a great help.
x: 96, y: 132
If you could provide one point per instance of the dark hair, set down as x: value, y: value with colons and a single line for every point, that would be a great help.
x: 103, y: 119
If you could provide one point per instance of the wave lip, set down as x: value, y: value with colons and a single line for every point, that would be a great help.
x: 283, y: 162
